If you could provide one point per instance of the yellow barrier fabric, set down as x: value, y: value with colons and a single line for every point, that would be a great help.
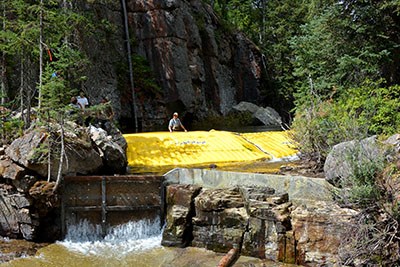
x: 277, y: 144
x: 153, y: 151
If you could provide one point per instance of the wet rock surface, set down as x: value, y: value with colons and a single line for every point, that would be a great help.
x: 11, y: 249
x: 180, y: 210
x: 261, y: 223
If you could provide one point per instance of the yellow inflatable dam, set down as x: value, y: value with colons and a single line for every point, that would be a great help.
x: 160, y: 151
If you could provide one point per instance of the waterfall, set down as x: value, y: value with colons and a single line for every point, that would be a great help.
x: 120, y: 240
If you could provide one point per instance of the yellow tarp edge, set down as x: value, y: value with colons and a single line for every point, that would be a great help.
x: 158, y: 150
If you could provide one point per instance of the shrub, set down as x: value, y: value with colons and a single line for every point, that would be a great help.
x: 10, y: 129
x: 355, y: 114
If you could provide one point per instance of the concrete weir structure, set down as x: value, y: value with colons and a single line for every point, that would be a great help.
x: 299, y: 188
x: 108, y: 201
x: 112, y: 200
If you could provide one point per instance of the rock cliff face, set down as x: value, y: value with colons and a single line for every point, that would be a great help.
x: 275, y: 217
x: 258, y: 222
x: 202, y: 67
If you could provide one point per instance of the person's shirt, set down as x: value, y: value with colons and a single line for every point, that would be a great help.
x: 82, y: 101
x: 175, y: 123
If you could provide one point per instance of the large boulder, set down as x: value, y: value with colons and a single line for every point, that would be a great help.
x: 80, y: 156
x: 267, y: 116
x: 246, y: 107
x: 112, y: 154
x: 344, y: 158
x: 87, y: 151
x: 318, y: 229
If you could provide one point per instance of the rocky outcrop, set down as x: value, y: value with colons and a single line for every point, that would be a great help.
x: 220, y: 220
x: 318, y: 229
x: 202, y: 67
x: 194, y: 57
x: 28, y: 202
x: 269, y: 220
x: 16, y: 219
x: 267, y: 116
x: 180, y: 210
x: 258, y: 222
x: 346, y: 157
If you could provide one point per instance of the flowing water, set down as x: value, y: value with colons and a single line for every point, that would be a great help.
x: 136, y: 244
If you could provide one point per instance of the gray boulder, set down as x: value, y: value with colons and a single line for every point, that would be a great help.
x: 80, y: 156
x: 268, y: 116
x: 344, y: 158
x: 112, y: 154
x: 246, y: 106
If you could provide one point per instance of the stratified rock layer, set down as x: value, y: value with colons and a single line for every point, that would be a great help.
x: 258, y: 220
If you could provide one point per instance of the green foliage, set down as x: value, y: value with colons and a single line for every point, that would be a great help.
x: 375, y: 106
x: 11, y: 129
x: 20, y: 37
x: 144, y: 76
x: 318, y: 126
x: 360, y: 112
x: 341, y: 47
x: 362, y: 184
x: 57, y: 90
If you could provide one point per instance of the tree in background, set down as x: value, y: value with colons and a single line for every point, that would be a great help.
x: 337, y: 55
x: 327, y: 45
x: 38, y: 39
x: 342, y: 46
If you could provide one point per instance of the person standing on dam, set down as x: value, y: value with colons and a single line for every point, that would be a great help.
x: 175, y: 123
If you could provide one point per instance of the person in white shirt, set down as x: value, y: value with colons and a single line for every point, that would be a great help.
x: 175, y: 124
x: 82, y: 100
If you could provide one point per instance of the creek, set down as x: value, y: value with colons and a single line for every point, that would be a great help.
x: 135, y: 244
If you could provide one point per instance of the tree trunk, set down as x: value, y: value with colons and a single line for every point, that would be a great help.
x: 62, y: 155
x: 49, y: 143
x: 22, y: 85
x: 3, y: 88
x: 40, y: 54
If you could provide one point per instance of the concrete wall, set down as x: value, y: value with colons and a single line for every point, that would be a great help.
x: 300, y: 189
